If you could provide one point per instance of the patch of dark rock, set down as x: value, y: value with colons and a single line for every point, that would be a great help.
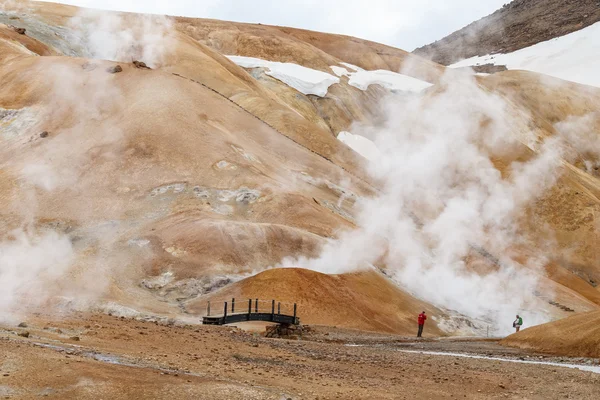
x: 24, y: 334
x: 489, y: 68
x: 114, y: 69
x: 8, y: 114
x: 202, y: 193
x: 246, y: 196
x: 141, y: 65
x: 188, y: 288
x: 216, y: 284
x: 44, y: 134
x: 22, y: 325
x: 20, y: 31
x: 293, y: 332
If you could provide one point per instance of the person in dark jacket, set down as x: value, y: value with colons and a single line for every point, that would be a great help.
x: 421, y: 320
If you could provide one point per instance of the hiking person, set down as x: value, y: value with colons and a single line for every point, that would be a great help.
x: 422, y: 318
x: 517, y: 323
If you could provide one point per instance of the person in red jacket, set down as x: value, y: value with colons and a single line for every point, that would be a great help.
x: 422, y: 318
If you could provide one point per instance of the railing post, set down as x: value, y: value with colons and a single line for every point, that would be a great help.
x: 224, y: 312
x: 208, y: 310
x: 249, y: 308
x: 272, y: 310
x: 278, y: 308
x: 232, y: 306
x: 256, y: 306
x: 294, y: 313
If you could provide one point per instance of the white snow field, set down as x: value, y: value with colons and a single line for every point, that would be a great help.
x: 362, y: 79
x: 359, y: 144
x: 574, y: 57
x: 310, y: 81
x: 305, y: 80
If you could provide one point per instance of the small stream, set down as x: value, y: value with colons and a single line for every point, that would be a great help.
x: 581, y: 367
x: 589, y: 368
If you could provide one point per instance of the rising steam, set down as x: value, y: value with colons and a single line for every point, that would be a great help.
x: 443, y: 197
x: 37, y: 260
x: 124, y: 37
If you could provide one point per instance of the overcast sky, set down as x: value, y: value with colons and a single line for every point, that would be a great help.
x: 401, y: 23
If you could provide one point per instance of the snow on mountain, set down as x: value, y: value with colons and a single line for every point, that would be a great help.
x: 311, y: 81
x: 574, y: 57
x: 352, y: 67
x: 362, y: 79
x: 360, y: 144
x: 387, y: 79
x: 340, y: 71
x: 305, y: 80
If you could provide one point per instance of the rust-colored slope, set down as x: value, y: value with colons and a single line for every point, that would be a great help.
x: 13, y: 44
x: 565, y: 214
x: 232, y: 174
x: 365, y: 300
x: 572, y: 281
x: 577, y: 336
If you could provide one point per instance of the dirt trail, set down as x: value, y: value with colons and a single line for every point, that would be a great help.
x: 122, y: 358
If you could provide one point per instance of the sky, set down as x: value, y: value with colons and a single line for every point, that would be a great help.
x: 405, y: 24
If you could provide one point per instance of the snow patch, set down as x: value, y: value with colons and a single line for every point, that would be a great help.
x: 354, y: 68
x: 340, y: 71
x: 362, y: 79
x: 574, y: 57
x: 359, y: 144
x: 305, y: 80
x: 389, y: 80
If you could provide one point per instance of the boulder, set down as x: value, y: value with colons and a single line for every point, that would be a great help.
x: 20, y: 31
x: 141, y: 65
x: 114, y: 69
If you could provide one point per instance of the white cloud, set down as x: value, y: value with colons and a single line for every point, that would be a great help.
x: 402, y: 23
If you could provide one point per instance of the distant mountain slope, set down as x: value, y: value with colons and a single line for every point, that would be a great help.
x: 519, y: 24
x: 574, y: 57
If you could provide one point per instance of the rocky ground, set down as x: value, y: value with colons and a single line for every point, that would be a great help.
x: 518, y: 24
x: 93, y: 356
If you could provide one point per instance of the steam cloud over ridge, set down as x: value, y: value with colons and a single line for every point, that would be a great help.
x: 442, y: 195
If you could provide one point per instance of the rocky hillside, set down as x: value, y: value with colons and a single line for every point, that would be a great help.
x: 518, y: 24
x: 150, y: 164
x: 171, y: 172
